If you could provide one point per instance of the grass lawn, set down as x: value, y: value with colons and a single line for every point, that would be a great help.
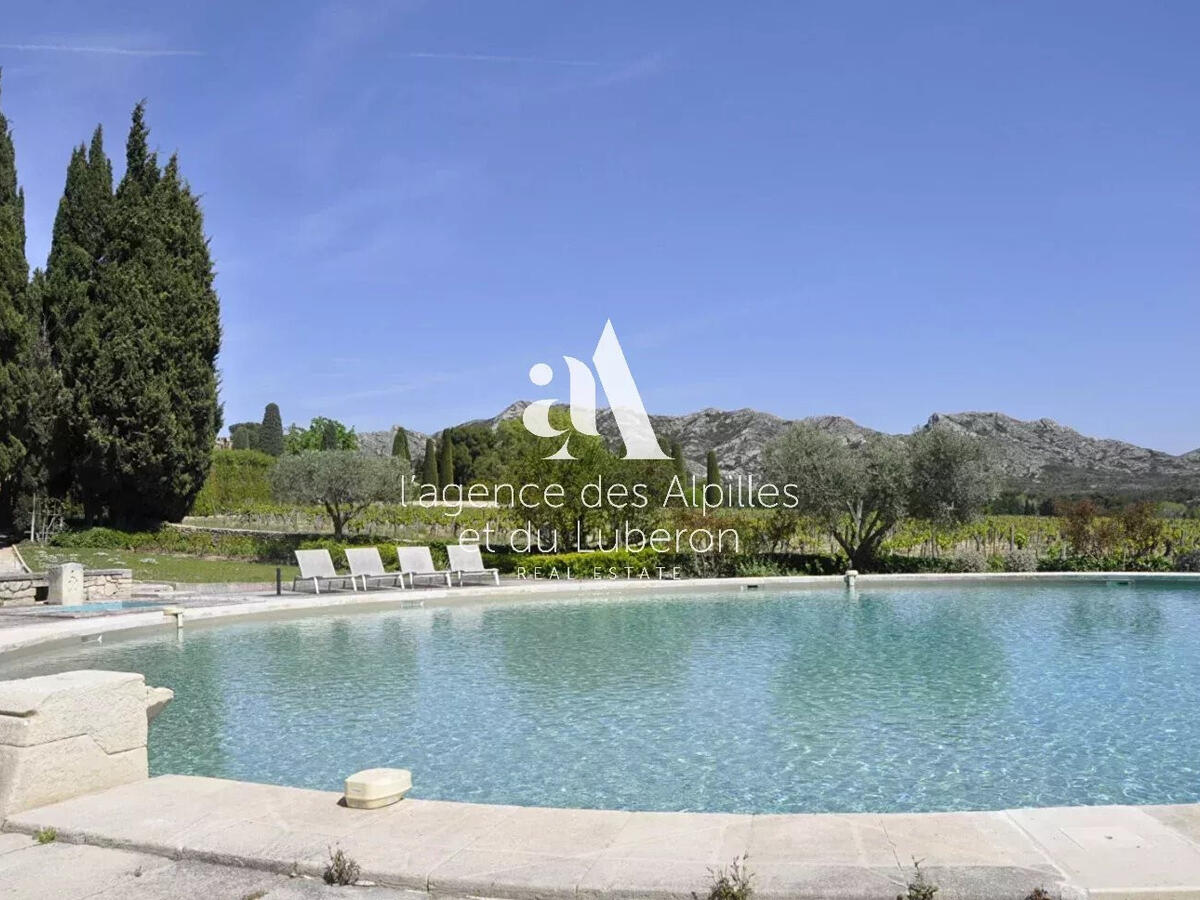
x: 149, y: 566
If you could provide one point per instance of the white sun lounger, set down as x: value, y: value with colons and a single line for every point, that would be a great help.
x: 317, y: 566
x: 367, y: 566
x: 417, y: 562
x: 467, y: 561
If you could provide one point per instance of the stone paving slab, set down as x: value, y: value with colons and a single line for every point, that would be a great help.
x: 467, y: 849
x: 78, y: 871
x: 1117, y: 851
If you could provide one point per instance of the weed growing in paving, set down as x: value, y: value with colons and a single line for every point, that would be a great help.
x: 341, y: 870
x: 732, y: 883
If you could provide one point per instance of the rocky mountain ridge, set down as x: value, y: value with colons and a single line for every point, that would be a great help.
x: 1040, y: 457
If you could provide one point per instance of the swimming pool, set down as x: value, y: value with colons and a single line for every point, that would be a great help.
x: 904, y: 699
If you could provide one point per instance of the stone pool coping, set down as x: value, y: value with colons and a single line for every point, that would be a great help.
x: 463, y: 849
x: 520, y: 853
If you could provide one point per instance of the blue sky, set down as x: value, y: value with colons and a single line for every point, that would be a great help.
x: 878, y: 210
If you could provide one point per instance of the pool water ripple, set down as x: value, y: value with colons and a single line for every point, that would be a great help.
x: 910, y: 699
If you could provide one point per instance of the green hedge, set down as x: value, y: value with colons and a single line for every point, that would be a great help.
x: 238, y: 481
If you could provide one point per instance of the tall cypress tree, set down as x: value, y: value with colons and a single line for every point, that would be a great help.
x: 72, y: 313
x: 713, y: 471
x: 679, y: 465
x: 446, y: 462
x: 713, y: 478
x: 270, y: 434
x: 429, y: 466
x: 44, y: 470
x: 400, y: 445
x: 15, y: 329
x: 191, y: 318
x: 128, y: 422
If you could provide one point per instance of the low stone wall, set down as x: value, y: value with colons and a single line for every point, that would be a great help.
x: 107, y: 584
x: 20, y: 589
x: 99, y: 585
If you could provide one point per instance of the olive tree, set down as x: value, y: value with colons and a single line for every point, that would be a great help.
x: 951, y: 475
x: 343, y: 481
x: 855, y: 494
x: 858, y: 494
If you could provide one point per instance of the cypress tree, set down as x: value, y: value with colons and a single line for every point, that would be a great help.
x: 712, y: 477
x: 191, y: 316
x: 429, y: 466
x: 270, y: 435
x: 153, y: 413
x: 680, y: 465
x: 400, y: 445
x: 240, y: 440
x: 72, y: 314
x: 43, y: 472
x: 15, y: 329
x: 128, y: 422
x: 446, y: 463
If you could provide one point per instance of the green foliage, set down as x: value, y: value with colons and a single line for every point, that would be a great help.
x: 429, y: 464
x: 15, y: 322
x: 732, y: 883
x: 250, y: 440
x: 43, y: 471
x: 321, y: 434
x: 341, y: 869
x: 712, y: 478
x: 400, y: 445
x: 680, y: 464
x: 1187, y: 562
x: 446, y: 461
x: 344, y: 482
x: 46, y: 835
x: 476, y: 454
x: 857, y: 495
x: 238, y: 479
x: 1020, y: 559
x: 270, y: 432
x: 950, y: 479
x: 72, y: 312
x: 136, y: 330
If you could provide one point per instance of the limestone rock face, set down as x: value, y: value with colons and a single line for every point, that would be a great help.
x: 72, y: 733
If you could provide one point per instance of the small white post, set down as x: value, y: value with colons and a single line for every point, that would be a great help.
x: 850, y: 577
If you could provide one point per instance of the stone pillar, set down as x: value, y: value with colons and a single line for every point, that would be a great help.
x: 72, y: 733
x: 66, y: 585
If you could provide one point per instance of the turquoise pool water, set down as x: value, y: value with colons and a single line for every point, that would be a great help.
x: 904, y: 699
x: 104, y: 606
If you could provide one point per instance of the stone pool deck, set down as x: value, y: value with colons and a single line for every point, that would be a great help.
x: 472, y: 850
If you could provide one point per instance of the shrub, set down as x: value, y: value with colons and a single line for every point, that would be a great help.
x: 237, y: 481
x: 341, y: 869
x: 731, y: 883
x: 1187, y: 562
x: 1021, y: 559
x: 968, y: 559
x: 46, y: 835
